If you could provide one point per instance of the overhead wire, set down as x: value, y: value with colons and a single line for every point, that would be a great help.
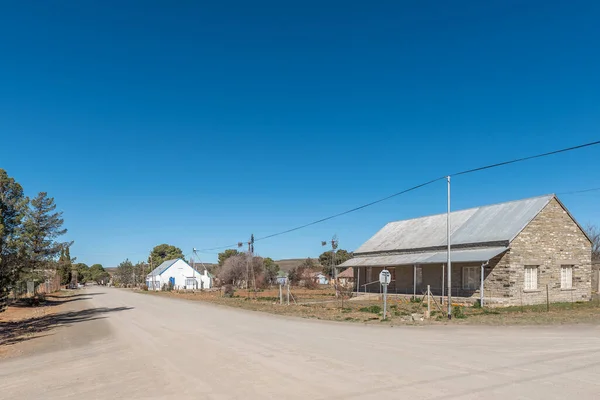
x: 580, y: 191
x: 516, y: 160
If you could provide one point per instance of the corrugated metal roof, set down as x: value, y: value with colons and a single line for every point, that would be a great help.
x: 429, y: 257
x: 486, y: 224
x: 162, y: 267
x: 347, y: 273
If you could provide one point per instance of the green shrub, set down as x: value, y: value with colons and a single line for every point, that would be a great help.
x: 267, y: 298
x: 416, y: 300
x: 477, y: 304
x: 228, y: 291
x: 371, y: 309
x: 458, y: 312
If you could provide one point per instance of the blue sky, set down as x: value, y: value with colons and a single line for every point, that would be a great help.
x: 197, y: 123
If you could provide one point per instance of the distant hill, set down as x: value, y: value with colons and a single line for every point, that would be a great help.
x: 289, y: 263
x: 285, y: 265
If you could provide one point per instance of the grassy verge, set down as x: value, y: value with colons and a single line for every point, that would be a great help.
x: 322, y: 304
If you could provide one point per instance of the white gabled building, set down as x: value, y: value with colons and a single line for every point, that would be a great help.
x: 180, y: 274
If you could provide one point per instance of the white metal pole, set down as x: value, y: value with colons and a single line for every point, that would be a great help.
x: 443, y: 282
x: 414, y: 281
x: 481, y: 286
x: 280, y: 295
x: 384, y: 301
x: 428, y: 300
x: 449, y: 258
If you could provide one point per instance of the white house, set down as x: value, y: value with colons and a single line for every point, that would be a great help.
x: 180, y: 274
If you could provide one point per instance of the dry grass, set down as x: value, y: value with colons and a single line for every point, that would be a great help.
x: 559, y: 313
x: 322, y: 304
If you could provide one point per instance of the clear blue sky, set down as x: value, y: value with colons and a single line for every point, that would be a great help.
x: 199, y: 123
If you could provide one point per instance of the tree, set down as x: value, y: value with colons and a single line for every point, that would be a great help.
x: 271, y: 270
x: 124, y: 273
x: 140, y: 270
x: 164, y: 252
x: 13, y: 205
x: 65, y: 266
x: 326, y: 259
x: 42, y: 227
x: 226, y: 254
x: 238, y: 268
x: 83, y: 272
x: 593, y: 233
x: 298, y: 273
x: 98, y: 274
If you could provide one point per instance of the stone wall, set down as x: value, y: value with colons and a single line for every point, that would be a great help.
x: 552, y: 239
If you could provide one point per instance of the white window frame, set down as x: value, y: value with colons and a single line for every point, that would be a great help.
x: 190, y: 283
x: 530, y: 277
x: 475, y: 278
x: 566, y: 277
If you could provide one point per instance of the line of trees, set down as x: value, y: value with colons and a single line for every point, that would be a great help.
x: 234, y: 267
x: 29, y: 236
x: 240, y: 269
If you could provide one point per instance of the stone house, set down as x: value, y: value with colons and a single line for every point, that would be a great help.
x: 596, y: 277
x: 346, y: 277
x: 504, y: 253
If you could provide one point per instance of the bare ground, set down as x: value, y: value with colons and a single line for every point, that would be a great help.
x: 155, y: 347
x: 322, y: 304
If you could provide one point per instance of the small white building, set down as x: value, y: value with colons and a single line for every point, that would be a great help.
x: 180, y: 274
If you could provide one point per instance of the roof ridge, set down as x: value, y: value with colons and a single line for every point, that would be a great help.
x: 474, y: 208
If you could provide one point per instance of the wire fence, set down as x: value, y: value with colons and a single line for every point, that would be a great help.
x: 544, y: 295
x: 32, y: 288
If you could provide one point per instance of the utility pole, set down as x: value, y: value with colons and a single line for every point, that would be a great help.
x: 152, y: 272
x: 252, y: 263
x: 449, y: 257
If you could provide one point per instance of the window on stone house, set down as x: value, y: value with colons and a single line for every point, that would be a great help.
x: 470, y: 278
x: 531, y: 277
x: 566, y: 277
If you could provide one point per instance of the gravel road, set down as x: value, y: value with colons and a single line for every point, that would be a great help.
x: 134, y: 346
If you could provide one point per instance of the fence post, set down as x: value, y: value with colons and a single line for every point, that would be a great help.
x: 428, y: 301
x: 547, y: 299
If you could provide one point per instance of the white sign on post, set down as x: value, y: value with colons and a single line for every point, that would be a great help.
x: 385, y: 277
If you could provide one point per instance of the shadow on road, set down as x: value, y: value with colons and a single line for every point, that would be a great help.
x: 49, y: 301
x: 20, y: 331
x: 78, y: 295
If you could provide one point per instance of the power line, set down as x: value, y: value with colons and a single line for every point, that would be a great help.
x: 580, y: 191
x: 564, y: 150
x: 581, y: 146
x: 352, y: 210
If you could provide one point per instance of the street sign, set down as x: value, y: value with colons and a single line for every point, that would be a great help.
x: 385, y: 277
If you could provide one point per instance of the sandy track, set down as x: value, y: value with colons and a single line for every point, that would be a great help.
x: 149, y: 347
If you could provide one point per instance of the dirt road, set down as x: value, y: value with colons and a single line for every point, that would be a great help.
x: 134, y: 346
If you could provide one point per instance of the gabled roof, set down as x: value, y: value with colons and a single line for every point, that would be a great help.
x: 163, y: 267
x: 495, y: 224
x: 347, y: 273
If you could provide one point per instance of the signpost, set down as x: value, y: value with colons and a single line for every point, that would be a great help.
x: 385, y: 278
